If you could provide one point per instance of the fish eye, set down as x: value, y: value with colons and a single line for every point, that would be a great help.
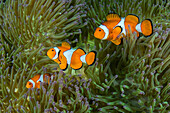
x: 39, y: 81
x: 52, y: 50
x: 99, y: 30
x: 29, y: 83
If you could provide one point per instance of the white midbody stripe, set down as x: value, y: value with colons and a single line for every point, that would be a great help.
x: 68, y: 54
x: 138, y: 27
x: 40, y: 79
x: 56, y: 55
x: 122, y: 25
x: 33, y: 83
x: 106, y: 30
x: 83, y: 58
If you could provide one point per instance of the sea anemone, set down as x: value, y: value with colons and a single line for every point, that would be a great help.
x: 131, y: 77
x: 157, y: 10
x: 36, y: 22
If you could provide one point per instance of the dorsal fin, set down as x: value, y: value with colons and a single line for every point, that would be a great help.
x: 132, y: 18
x: 36, y: 77
x: 113, y: 17
x: 66, y: 45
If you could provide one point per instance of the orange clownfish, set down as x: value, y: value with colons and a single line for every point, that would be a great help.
x: 65, y: 55
x: 115, y: 25
x: 37, y: 79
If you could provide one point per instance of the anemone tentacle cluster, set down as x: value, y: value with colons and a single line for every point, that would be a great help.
x: 131, y: 77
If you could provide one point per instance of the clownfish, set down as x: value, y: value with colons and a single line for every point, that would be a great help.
x: 37, y: 79
x: 65, y: 55
x: 115, y: 25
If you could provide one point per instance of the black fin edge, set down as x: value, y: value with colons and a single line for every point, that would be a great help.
x: 65, y: 68
x: 59, y: 54
x: 81, y: 49
x: 120, y: 27
x: 79, y: 68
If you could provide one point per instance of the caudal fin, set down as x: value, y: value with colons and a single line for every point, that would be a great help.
x: 91, y: 58
x: 145, y: 27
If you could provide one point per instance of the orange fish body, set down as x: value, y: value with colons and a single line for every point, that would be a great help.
x: 36, y: 80
x: 115, y: 25
x: 65, y: 55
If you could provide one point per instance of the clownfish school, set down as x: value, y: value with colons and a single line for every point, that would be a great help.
x: 115, y: 25
x: 65, y: 55
x: 110, y: 30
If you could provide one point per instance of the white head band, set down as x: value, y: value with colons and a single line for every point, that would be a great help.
x: 33, y: 83
x: 56, y: 55
x: 106, y: 30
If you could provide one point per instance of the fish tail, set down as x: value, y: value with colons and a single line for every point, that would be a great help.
x: 89, y: 58
x: 145, y: 27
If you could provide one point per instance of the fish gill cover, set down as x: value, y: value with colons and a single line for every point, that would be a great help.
x: 131, y: 77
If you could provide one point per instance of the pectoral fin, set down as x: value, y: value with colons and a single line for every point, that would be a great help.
x: 62, y: 64
x: 116, y: 39
x: 63, y: 61
x: 115, y: 32
x: 57, y: 60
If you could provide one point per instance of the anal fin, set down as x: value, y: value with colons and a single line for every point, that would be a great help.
x: 116, y: 42
x: 63, y: 66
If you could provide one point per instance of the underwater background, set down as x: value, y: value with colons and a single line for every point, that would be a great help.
x: 131, y: 77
